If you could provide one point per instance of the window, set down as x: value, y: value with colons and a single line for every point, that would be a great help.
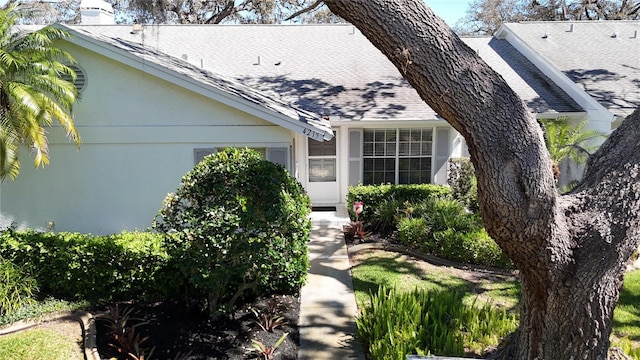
x: 322, y: 160
x: 397, y: 156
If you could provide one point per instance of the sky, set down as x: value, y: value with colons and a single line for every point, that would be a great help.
x: 450, y: 10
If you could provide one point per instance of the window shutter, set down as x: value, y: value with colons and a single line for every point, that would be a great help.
x: 355, y: 156
x: 278, y: 156
x: 443, y: 152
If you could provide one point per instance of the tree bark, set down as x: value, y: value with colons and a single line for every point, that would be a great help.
x: 570, y: 250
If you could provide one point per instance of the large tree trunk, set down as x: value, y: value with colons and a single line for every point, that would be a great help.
x: 571, y: 250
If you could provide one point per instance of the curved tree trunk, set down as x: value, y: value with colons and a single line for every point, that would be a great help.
x: 571, y: 250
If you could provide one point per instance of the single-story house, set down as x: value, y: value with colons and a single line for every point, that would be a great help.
x: 318, y: 99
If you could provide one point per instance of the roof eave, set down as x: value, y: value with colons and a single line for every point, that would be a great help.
x: 299, y: 121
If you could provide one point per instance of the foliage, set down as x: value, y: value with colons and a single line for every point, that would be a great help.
x: 374, y: 196
x: 412, y: 231
x: 389, y: 270
x: 38, y: 344
x: 385, y: 214
x: 239, y: 224
x: 17, y: 288
x: 486, y: 16
x: 40, y: 308
x: 443, y: 228
x: 125, y: 266
x: 355, y: 229
x: 395, y: 325
x: 568, y: 142
x: 463, y: 182
x: 626, y: 315
x: 270, y: 317
x: 33, y: 92
x: 125, y: 334
x: 220, y: 11
x: 265, y: 351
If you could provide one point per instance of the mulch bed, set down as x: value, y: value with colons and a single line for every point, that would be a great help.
x: 174, y: 333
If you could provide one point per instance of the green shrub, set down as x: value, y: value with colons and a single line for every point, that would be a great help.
x: 442, y: 227
x: 373, y: 196
x: 474, y: 247
x: 385, y: 215
x: 40, y: 308
x: 126, y: 266
x: 412, y: 231
x: 463, y: 182
x: 240, y: 225
x: 17, y: 288
x: 395, y: 325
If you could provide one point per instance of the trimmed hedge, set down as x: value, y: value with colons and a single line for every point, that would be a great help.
x: 241, y: 228
x: 374, y: 196
x: 118, y: 267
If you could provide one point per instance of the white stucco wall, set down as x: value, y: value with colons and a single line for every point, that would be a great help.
x: 139, y: 134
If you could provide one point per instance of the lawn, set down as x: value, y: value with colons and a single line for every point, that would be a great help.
x: 39, y: 344
x: 372, y: 268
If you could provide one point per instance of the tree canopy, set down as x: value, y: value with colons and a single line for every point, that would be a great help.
x: 180, y: 11
x: 486, y: 16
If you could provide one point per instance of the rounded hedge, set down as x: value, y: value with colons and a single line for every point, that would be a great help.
x: 238, y: 224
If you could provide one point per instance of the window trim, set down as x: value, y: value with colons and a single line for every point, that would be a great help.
x: 397, y: 156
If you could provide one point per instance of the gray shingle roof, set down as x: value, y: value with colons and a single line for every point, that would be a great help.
x: 331, y: 70
x: 224, y: 84
x: 603, y: 57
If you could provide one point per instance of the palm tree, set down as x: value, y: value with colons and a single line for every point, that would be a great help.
x: 34, y: 91
x: 567, y: 142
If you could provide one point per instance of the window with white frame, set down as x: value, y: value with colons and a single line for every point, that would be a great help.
x: 397, y: 156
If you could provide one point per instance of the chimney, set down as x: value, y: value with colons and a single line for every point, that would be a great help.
x: 96, y: 12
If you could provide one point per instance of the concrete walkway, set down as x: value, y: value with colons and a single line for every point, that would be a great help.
x: 327, y: 303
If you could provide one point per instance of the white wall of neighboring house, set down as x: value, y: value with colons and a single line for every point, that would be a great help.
x: 139, y: 134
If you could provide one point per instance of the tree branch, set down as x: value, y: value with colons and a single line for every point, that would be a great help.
x: 221, y: 15
x: 307, y: 9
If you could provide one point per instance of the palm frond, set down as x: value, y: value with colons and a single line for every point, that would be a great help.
x: 568, y: 142
x: 34, y: 92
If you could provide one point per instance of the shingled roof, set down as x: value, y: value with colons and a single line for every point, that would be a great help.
x: 602, y: 57
x: 222, y: 88
x: 330, y: 70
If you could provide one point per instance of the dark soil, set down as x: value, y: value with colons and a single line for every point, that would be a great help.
x: 175, y: 333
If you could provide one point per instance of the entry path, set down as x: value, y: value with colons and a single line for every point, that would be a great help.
x: 327, y: 302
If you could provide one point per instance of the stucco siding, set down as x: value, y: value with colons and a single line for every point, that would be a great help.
x: 139, y: 134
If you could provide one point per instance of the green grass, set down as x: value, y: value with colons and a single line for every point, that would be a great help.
x: 39, y: 344
x: 626, y: 316
x: 388, y: 269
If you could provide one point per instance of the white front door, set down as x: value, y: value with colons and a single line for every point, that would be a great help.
x: 322, y: 172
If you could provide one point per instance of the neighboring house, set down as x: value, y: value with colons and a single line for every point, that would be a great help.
x: 319, y: 99
x: 597, y: 63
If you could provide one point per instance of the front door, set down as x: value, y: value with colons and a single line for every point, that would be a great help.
x: 322, y: 171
